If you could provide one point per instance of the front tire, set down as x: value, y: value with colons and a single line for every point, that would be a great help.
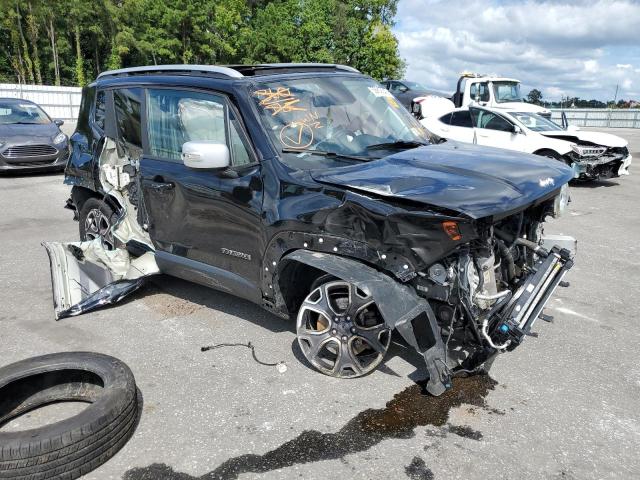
x: 95, y: 220
x: 340, y: 329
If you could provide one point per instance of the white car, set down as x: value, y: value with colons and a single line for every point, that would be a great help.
x: 590, y: 154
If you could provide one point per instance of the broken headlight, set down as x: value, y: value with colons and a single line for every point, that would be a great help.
x: 561, y: 201
x: 588, y: 151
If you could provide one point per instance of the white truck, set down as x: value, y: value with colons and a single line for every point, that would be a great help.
x: 486, y: 91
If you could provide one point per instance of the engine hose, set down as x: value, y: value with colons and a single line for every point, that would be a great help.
x: 485, y: 334
x: 474, y: 327
x: 521, y: 241
x: 506, y: 254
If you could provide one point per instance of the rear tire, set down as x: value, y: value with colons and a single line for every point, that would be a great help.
x: 95, y: 220
x: 76, y: 445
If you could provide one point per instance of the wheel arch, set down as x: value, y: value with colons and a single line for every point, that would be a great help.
x: 80, y: 195
x: 401, y: 307
x: 542, y: 151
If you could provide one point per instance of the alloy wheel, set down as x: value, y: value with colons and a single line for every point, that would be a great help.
x: 96, y: 225
x: 341, y: 331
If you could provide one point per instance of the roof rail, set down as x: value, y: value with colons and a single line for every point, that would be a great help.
x: 229, y: 72
x: 265, y: 67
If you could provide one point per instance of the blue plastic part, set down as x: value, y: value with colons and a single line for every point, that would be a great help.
x: 504, y: 328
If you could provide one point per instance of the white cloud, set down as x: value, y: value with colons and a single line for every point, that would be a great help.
x: 560, y: 47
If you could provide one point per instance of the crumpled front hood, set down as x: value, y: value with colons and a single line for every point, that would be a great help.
x: 599, y: 138
x: 476, y: 181
x: 26, y: 134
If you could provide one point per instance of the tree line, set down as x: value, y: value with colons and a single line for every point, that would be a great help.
x: 69, y: 42
x: 535, y: 96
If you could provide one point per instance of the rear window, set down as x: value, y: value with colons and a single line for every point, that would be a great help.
x: 446, y: 118
x: 461, y: 119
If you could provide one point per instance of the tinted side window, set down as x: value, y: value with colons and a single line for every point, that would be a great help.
x: 491, y: 121
x: 446, y: 119
x: 100, y: 110
x: 461, y: 119
x: 127, y: 105
x: 175, y: 117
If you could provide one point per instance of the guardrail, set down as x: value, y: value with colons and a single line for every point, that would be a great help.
x: 58, y: 102
x: 599, y: 117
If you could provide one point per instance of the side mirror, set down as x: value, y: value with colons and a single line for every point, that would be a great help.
x: 517, y: 130
x: 58, y: 122
x: 403, y: 89
x: 205, y: 155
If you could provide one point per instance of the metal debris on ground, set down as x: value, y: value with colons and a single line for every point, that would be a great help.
x: 281, y: 366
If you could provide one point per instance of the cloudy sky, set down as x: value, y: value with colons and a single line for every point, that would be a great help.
x: 571, y: 47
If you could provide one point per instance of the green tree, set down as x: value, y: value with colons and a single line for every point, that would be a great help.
x: 534, y: 96
x: 69, y: 42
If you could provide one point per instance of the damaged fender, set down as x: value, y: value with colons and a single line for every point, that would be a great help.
x: 401, y: 308
x: 86, y: 276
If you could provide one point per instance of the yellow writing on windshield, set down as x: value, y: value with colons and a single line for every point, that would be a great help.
x: 279, y: 100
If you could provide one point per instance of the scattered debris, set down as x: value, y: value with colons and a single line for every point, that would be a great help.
x: 281, y: 366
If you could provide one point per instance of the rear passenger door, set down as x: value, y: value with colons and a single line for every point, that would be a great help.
x: 457, y: 125
x: 205, y: 224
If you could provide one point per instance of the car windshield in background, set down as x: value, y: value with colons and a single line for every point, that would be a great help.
x: 22, y: 113
x: 535, y: 122
x: 415, y: 85
x: 341, y: 119
x: 507, y: 92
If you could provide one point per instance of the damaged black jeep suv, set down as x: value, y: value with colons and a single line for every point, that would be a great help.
x: 308, y: 189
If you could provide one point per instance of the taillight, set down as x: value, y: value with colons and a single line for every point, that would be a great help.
x: 452, y: 230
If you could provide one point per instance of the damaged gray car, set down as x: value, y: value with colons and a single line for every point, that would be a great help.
x: 309, y: 190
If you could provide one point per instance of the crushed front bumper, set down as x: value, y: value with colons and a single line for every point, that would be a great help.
x: 601, y: 167
x: 515, y: 320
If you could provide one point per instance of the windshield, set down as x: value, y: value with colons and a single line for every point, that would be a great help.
x: 535, y: 122
x: 339, y: 115
x: 414, y: 85
x: 21, y: 113
x: 507, y: 92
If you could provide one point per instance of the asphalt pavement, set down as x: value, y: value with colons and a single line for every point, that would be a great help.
x: 564, y: 405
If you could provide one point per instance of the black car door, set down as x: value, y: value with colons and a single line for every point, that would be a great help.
x: 205, y: 224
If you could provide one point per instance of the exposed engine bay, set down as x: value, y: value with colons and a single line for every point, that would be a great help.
x: 488, y: 295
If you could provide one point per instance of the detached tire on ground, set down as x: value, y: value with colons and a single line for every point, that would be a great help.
x: 72, y: 447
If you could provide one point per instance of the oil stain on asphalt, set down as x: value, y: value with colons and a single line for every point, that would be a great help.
x: 406, y: 411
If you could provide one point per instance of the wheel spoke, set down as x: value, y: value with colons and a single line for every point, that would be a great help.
x: 315, y: 342
x: 346, y: 359
x: 372, y: 337
x: 321, y: 306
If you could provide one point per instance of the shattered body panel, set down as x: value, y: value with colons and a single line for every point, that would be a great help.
x: 85, y: 276
x: 416, y: 230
